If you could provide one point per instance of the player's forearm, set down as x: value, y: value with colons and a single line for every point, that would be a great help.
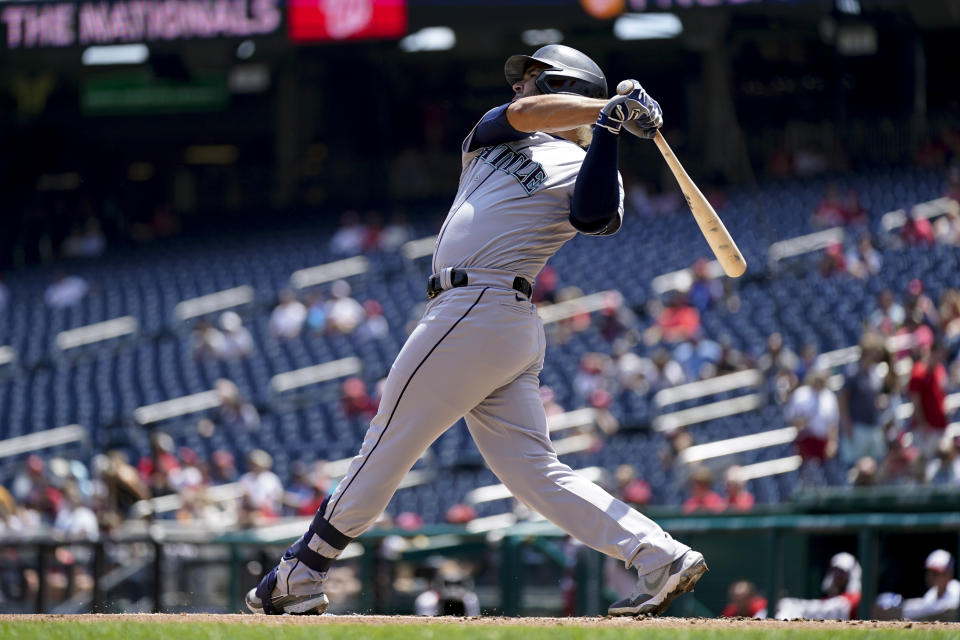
x: 553, y: 112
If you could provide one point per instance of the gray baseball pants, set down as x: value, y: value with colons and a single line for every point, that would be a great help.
x: 476, y: 353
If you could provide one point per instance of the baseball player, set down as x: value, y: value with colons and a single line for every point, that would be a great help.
x: 841, y: 587
x: 527, y: 186
x: 940, y: 602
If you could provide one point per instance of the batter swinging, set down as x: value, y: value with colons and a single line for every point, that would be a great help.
x: 526, y: 188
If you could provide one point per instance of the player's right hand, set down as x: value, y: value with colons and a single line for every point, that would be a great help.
x: 634, y: 110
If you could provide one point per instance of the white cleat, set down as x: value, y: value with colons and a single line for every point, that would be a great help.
x: 655, y: 591
x: 313, y: 604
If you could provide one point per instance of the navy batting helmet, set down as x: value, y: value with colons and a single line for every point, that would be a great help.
x: 568, y: 71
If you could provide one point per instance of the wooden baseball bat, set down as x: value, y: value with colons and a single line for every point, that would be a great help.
x: 716, y: 235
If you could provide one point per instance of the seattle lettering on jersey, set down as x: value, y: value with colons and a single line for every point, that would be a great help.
x: 528, y: 173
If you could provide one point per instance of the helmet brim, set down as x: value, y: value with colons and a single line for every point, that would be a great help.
x: 517, y: 65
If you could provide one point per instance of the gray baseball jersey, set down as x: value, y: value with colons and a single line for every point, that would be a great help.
x: 511, y: 209
x: 476, y: 354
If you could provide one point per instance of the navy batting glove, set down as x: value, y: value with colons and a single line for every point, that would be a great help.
x: 647, y: 115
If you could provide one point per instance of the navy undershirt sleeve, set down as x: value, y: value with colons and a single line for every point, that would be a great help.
x: 492, y: 129
x: 595, y: 206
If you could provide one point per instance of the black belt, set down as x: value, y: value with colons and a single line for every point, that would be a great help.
x: 458, y: 278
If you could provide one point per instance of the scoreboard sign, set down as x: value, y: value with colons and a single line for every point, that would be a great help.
x: 64, y: 24
x: 325, y: 20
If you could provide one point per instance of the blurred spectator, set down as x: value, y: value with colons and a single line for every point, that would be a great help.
x: 864, y: 473
x: 460, y: 514
x: 206, y: 340
x: 807, y: 362
x: 237, y: 341
x: 731, y: 359
x: 348, y: 240
x: 592, y: 375
x: 32, y: 489
x: 918, y: 302
x: 917, y: 230
x: 545, y: 287
x: 949, y: 312
x: 737, y: 497
x: 65, y: 291
x: 305, y: 493
x: 864, y: 261
x: 4, y: 294
x: 607, y: 424
x: 698, y: 357
x: 223, y: 468
x: 234, y: 412
x: 888, y: 316
x: 928, y: 392
x: 632, y: 490
x: 901, y: 465
x: 75, y: 520
x: 10, y: 523
x: 355, y: 400
x: 615, y: 318
x: 678, y: 440
x: 189, y: 476
x: 842, y: 588
x: 915, y: 335
x: 632, y: 371
x: 944, y: 468
x: 946, y: 228
x: 853, y: 211
x: 397, y: 232
x: 375, y: 326
x: 261, y: 489
x: 702, y: 496
x: 372, y: 225
x: 861, y: 433
x: 316, y: 312
x: 830, y: 212
x: 833, y: 261
x: 123, y: 485
x: 665, y: 372
x: 344, y: 313
x: 155, y: 469
x: 450, y: 593
x: 676, y: 323
x: 744, y: 601
x: 778, y: 364
x: 704, y: 291
x: 88, y: 243
x: 549, y: 399
x: 941, y: 602
x: 578, y: 321
x: 288, y: 316
x: 813, y: 410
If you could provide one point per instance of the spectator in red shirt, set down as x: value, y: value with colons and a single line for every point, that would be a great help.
x: 917, y: 231
x: 738, y: 498
x: 355, y: 400
x: 677, y: 323
x: 833, y: 261
x: 831, y: 211
x: 744, y: 601
x: 702, y: 496
x: 928, y: 391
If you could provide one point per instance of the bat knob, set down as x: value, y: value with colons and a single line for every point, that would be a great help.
x: 625, y: 87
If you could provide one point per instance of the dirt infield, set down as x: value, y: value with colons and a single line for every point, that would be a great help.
x: 597, y: 622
